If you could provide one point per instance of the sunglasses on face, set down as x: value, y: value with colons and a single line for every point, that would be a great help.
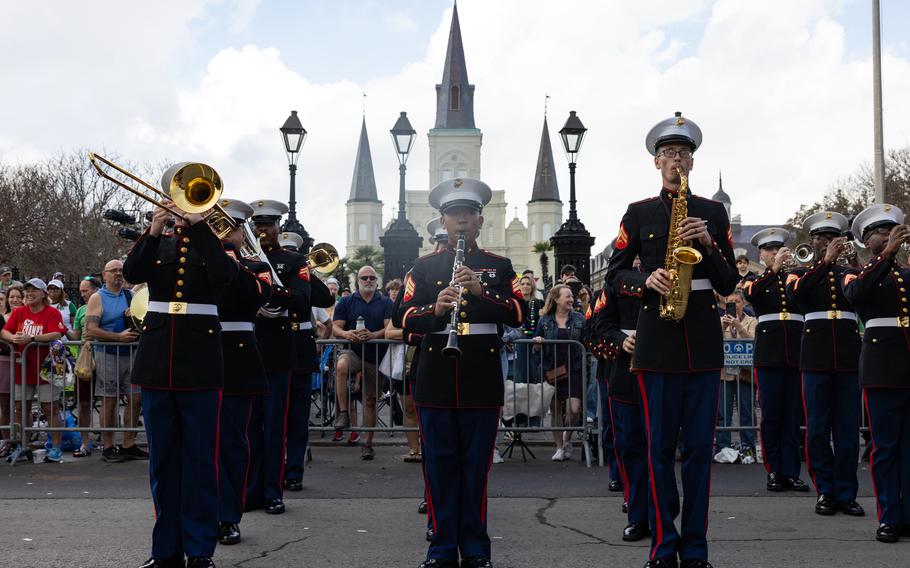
x: 367, y: 278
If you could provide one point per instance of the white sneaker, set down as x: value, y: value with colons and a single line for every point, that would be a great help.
x: 567, y: 450
x: 496, y: 457
x: 559, y: 456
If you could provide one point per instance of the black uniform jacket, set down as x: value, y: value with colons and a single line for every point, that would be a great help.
x: 696, y: 342
x: 304, y: 290
x: 776, y: 341
x: 827, y: 344
x: 244, y: 373
x: 620, y: 314
x: 880, y: 291
x: 475, y: 379
x: 180, y: 351
x: 593, y: 340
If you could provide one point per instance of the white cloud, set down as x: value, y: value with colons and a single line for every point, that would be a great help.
x: 401, y: 21
x: 784, y: 110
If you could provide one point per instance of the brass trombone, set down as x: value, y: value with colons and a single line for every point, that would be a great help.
x: 193, y: 187
x: 323, y: 258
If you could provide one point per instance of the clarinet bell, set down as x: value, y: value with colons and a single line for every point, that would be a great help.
x: 451, y: 350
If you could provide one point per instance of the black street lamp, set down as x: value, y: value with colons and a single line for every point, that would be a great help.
x: 572, y: 242
x: 401, y: 242
x: 293, y: 134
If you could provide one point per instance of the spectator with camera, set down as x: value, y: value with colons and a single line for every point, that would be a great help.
x: 107, y: 320
x: 736, y: 382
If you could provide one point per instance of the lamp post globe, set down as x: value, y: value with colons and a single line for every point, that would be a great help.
x: 293, y: 134
x: 401, y: 242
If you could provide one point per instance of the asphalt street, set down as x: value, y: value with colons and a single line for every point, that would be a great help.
x: 363, y: 514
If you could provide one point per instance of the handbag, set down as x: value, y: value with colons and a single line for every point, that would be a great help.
x: 557, y: 374
x: 392, y: 364
x: 530, y: 399
x: 85, y: 363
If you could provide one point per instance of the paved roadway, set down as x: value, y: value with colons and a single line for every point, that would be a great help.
x: 363, y: 514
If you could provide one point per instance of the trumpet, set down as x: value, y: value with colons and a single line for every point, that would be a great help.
x: 801, y: 255
x: 193, y: 187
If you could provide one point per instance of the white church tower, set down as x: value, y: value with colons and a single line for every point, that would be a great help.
x: 364, y: 209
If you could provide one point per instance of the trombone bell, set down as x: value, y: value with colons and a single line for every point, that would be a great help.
x: 192, y: 186
x: 323, y: 258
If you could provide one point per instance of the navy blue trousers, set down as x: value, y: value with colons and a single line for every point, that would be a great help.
x: 889, y: 421
x: 632, y: 448
x: 182, y: 432
x: 298, y: 424
x: 254, y: 490
x: 608, y: 435
x: 781, y: 408
x: 457, y: 453
x: 671, y: 401
x: 274, y: 433
x: 833, y: 406
x: 234, y: 457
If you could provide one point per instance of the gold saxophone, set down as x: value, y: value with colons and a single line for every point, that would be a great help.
x: 681, y: 258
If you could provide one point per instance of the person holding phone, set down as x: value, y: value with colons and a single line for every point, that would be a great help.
x: 736, y: 383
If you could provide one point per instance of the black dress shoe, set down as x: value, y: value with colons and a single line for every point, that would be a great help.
x: 695, y: 563
x: 274, y: 506
x: 851, y: 508
x: 228, y: 533
x: 635, y: 531
x: 199, y: 562
x: 665, y: 562
x: 293, y: 484
x: 615, y: 485
x: 476, y: 562
x: 887, y: 533
x: 431, y: 534
x: 168, y: 563
x: 252, y: 505
x: 625, y: 506
x: 422, y: 508
x: 825, y: 505
x: 775, y: 483
x: 438, y: 563
x: 796, y: 484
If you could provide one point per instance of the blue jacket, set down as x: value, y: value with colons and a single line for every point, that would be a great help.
x: 547, y: 329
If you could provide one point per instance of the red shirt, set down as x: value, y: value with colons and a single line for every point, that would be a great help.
x: 23, y: 320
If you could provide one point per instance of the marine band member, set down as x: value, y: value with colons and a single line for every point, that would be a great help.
x: 880, y: 296
x: 458, y: 400
x: 776, y: 362
x: 179, y: 367
x: 678, y: 363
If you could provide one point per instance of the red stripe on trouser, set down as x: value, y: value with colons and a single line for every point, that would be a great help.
x: 802, y: 379
x: 284, y: 435
x: 249, y: 457
x: 616, y: 453
x: 878, y: 504
x: 431, y: 510
x: 761, y: 438
x: 486, y: 478
x: 658, y: 525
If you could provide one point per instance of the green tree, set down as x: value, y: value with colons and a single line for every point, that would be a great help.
x: 542, y: 248
x: 365, y: 256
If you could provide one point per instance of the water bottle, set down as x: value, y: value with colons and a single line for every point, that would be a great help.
x: 361, y: 323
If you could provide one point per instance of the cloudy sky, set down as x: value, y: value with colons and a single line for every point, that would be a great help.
x: 781, y: 88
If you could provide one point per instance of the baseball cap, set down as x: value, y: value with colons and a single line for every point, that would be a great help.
x: 36, y: 283
x: 5, y: 270
x: 56, y: 283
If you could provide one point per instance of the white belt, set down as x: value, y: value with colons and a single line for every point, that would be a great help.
x: 888, y: 322
x: 236, y: 326
x: 628, y: 332
x: 701, y: 284
x: 830, y: 315
x: 301, y: 326
x: 781, y: 316
x: 467, y: 328
x: 180, y: 308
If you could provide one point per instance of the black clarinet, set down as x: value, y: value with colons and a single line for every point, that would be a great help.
x: 451, y: 349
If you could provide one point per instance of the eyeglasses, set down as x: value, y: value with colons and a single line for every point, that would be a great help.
x: 670, y: 153
x: 367, y: 278
x: 112, y: 271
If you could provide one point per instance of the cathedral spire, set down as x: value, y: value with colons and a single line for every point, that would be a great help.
x: 455, y: 96
x: 363, y: 186
x: 545, y: 187
x: 721, y: 195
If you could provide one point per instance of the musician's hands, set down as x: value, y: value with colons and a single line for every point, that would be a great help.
x: 628, y: 344
x: 659, y: 281
x: 468, y: 280
x: 835, y: 247
x: 899, y: 234
x: 693, y: 228
x: 445, y: 301
x: 782, y: 254
x: 193, y: 218
x: 160, y: 218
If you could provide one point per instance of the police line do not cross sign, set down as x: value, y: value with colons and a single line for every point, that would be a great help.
x: 738, y: 352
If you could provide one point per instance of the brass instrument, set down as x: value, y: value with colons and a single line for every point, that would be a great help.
x: 451, y: 349
x: 323, y: 258
x: 193, y: 187
x: 139, y: 305
x: 802, y: 254
x: 847, y: 253
x: 680, y: 260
